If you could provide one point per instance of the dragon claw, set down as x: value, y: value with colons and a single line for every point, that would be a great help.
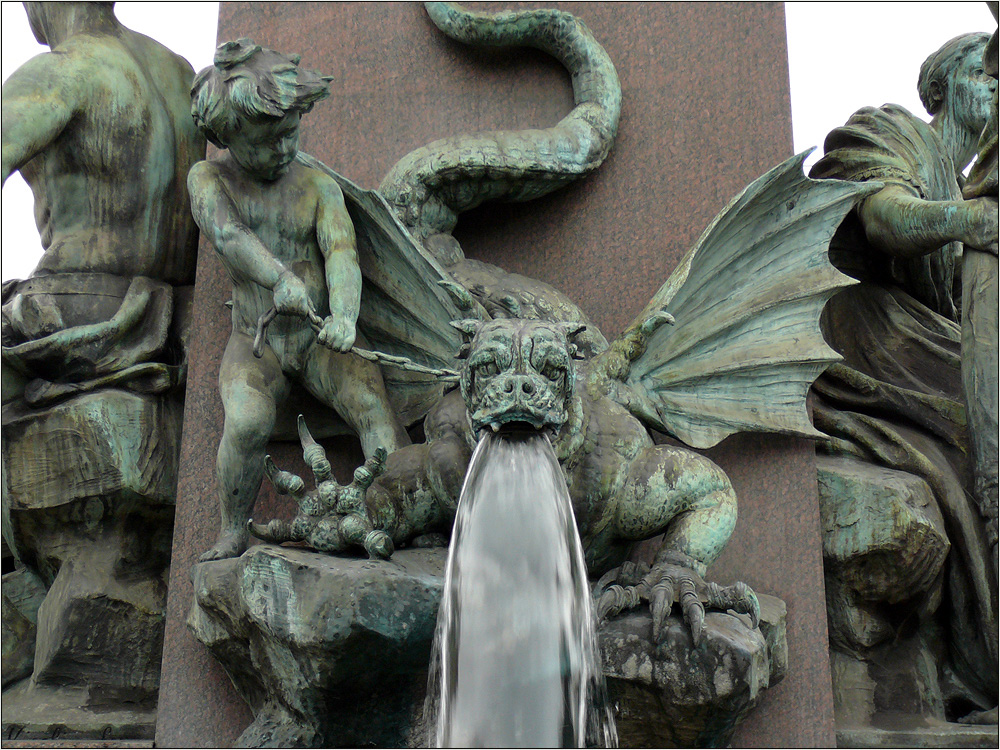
x: 660, y: 604
x: 694, y: 610
x: 284, y: 482
x: 613, y: 601
x: 607, y: 579
x: 331, y: 518
x: 739, y: 597
x: 665, y: 584
x: 378, y: 545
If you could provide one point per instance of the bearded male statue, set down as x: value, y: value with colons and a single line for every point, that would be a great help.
x: 896, y: 401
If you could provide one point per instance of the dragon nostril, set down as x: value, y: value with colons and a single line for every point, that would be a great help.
x: 527, y: 387
x: 508, y: 387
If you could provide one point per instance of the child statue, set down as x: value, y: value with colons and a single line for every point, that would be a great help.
x: 287, y: 241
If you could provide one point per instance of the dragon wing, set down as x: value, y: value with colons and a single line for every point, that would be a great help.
x: 405, y: 311
x: 747, y: 301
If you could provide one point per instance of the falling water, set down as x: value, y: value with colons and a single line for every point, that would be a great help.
x: 516, y: 662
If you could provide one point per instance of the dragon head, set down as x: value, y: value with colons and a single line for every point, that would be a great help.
x: 518, y: 373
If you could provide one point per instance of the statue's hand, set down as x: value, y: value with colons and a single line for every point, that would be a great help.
x: 291, y: 296
x: 982, y: 232
x: 336, y: 333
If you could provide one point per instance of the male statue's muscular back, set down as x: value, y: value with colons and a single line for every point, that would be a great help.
x: 101, y: 130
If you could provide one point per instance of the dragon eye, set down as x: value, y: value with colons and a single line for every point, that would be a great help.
x: 489, y: 369
x: 552, y: 372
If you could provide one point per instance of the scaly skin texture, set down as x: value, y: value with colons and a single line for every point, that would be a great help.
x: 432, y: 185
x: 624, y: 488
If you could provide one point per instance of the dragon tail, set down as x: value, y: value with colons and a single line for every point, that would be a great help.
x: 429, y: 187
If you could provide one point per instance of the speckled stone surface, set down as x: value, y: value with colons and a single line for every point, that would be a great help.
x: 706, y: 110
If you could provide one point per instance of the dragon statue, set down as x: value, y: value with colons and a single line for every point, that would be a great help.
x: 730, y: 343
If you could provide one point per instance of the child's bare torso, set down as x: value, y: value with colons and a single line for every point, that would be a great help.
x: 282, y: 215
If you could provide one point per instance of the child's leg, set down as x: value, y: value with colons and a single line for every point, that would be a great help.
x: 250, y: 390
x: 353, y: 387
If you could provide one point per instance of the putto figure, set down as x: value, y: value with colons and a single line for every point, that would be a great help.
x: 287, y: 241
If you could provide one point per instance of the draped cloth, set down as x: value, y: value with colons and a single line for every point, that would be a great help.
x: 68, y: 334
x: 896, y: 400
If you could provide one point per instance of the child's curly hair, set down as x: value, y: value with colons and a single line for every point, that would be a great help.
x: 248, y: 81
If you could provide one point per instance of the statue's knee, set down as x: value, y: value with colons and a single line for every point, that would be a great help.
x: 245, y: 431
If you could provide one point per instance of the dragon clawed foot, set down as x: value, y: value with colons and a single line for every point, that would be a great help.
x: 333, y: 517
x: 666, y: 584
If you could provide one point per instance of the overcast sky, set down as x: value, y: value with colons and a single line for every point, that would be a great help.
x: 842, y: 56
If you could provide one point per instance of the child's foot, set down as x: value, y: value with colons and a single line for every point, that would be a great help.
x: 232, y: 544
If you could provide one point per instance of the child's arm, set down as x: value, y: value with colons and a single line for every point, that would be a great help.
x: 335, y: 234
x: 240, y: 249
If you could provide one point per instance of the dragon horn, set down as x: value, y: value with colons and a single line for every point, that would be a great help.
x: 366, y: 474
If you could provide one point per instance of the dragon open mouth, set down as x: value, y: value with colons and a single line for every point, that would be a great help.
x: 517, y: 422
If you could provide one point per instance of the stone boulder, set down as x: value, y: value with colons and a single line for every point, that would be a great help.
x: 325, y: 650
x: 674, y: 694
x: 89, y: 495
x: 884, y: 548
x: 884, y: 543
x: 331, y: 651
x: 22, y: 595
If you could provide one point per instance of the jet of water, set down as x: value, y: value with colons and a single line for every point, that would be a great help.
x: 516, y: 661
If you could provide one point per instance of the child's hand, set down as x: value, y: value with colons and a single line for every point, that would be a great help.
x: 337, y: 334
x: 291, y: 296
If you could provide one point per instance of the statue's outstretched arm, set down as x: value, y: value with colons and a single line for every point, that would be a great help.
x: 337, y: 241
x: 39, y: 101
x: 899, y: 222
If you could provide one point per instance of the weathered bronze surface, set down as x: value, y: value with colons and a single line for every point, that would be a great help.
x: 745, y: 349
x: 94, y: 354
x: 912, y: 578
x: 284, y: 234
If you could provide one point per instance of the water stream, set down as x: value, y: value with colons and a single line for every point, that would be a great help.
x: 516, y: 662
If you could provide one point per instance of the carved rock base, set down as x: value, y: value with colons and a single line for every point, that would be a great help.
x: 884, y: 544
x: 22, y: 595
x: 334, y: 651
x: 324, y: 650
x: 89, y: 491
x: 39, y: 712
x: 884, y: 548
x: 940, y: 736
x: 674, y: 694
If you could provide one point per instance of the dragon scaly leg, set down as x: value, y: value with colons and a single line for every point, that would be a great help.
x: 693, y: 499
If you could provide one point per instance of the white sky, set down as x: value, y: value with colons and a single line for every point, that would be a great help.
x: 842, y: 56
